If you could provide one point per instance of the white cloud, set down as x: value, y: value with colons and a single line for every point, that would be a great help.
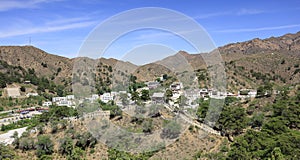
x: 45, y: 29
x: 68, y: 20
x: 258, y: 29
x: 210, y: 15
x: 6, y: 5
x: 245, y: 11
x: 240, y: 12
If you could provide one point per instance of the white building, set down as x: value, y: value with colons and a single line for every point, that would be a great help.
x: 65, y: 103
x: 243, y: 93
x: 192, y: 94
x: 95, y: 97
x: 106, y: 97
x: 47, y: 104
x: 152, y: 85
x: 58, y: 99
x: 158, y: 97
x: 32, y: 94
x: 70, y: 97
x: 229, y: 94
x: 176, y: 86
x: 203, y: 92
x: 122, y: 92
x: 252, y: 93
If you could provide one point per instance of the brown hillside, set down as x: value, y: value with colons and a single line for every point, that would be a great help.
x: 277, y: 58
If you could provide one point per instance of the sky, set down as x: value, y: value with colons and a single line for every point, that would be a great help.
x: 61, y: 27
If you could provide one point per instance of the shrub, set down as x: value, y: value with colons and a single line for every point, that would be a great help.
x: 171, y: 130
x: 66, y: 146
x: 44, y: 146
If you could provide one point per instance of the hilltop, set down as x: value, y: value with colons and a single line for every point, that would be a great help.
x: 277, y: 56
x: 247, y: 63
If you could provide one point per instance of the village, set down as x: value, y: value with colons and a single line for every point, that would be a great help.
x: 174, y: 97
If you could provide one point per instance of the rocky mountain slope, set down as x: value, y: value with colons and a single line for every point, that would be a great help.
x: 247, y: 62
x: 286, y: 43
x: 276, y: 58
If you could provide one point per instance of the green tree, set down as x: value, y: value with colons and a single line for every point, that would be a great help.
x: 265, y: 90
x: 124, y: 99
x: 77, y: 154
x: 23, y: 89
x: 58, y: 70
x: 202, y: 110
x: 145, y: 95
x: 168, y: 95
x: 66, y: 146
x: 2, y: 81
x: 257, y: 120
x: 171, y: 130
x: 16, y: 138
x: 276, y: 154
x: 110, y: 69
x: 114, y: 110
x: 44, y: 146
x: 182, y: 100
x: 6, y: 152
x: 26, y: 144
x: 132, y: 78
x: 86, y: 140
x: 135, y: 96
x: 165, y: 76
x: 276, y: 125
x: 147, y: 126
x: 291, y: 114
x: 60, y: 91
x: 232, y: 120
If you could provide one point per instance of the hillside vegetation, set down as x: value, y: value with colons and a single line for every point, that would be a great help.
x: 263, y: 127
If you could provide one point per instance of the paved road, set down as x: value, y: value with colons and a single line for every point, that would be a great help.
x: 17, y: 117
x: 9, y: 111
x: 6, y: 137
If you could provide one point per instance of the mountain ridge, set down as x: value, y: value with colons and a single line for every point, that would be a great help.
x: 59, y: 68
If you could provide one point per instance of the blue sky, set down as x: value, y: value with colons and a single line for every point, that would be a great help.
x: 60, y: 26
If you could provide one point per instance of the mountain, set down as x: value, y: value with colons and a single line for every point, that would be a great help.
x: 247, y: 63
x: 43, y: 63
x: 250, y: 64
x: 287, y: 43
x: 54, y: 67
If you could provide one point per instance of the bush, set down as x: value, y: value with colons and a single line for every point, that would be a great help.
x: 6, y: 152
x: 23, y: 89
x: 44, y: 65
x: 85, y: 140
x: 114, y: 110
x: 44, y: 146
x: 147, y: 126
x: 77, y: 154
x: 66, y: 146
x: 26, y: 144
x: 171, y: 130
